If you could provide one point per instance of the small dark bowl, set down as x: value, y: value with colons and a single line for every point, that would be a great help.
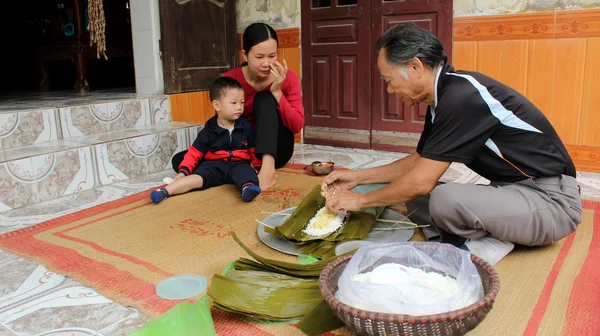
x: 322, y: 168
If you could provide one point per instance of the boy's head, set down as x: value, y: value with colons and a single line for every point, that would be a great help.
x: 227, y: 97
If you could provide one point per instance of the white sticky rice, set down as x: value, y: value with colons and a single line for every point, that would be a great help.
x: 324, y: 223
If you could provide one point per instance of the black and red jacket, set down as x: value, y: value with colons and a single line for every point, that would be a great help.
x: 216, y: 143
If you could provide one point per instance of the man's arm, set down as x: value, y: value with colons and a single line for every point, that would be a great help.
x: 389, y: 172
x: 416, y: 182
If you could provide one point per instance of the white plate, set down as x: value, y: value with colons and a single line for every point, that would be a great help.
x: 181, y: 287
x: 387, y: 236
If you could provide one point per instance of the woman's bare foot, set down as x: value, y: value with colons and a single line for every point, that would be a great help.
x: 267, y: 178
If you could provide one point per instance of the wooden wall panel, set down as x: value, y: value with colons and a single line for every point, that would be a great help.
x: 540, y: 74
x: 552, y: 58
x: 489, y: 58
x: 514, y: 63
x: 292, y: 57
x: 590, y: 109
x: 464, y: 55
x: 568, y: 89
x: 193, y: 107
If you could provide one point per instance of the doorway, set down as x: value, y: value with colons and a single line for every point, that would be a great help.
x: 345, y: 101
x: 47, y: 50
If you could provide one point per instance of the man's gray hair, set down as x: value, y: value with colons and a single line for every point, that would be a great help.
x: 406, y: 41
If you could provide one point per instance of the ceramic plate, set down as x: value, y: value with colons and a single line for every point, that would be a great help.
x: 282, y: 245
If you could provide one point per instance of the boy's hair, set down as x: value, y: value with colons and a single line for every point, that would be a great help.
x: 220, y: 86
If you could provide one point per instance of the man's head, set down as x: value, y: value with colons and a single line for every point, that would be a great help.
x: 227, y: 97
x: 408, y: 57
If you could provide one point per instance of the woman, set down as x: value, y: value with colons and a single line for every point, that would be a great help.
x: 273, y: 101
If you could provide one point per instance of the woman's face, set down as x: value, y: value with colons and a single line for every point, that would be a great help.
x: 260, y: 57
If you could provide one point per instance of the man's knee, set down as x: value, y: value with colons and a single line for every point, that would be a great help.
x: 443, y: 201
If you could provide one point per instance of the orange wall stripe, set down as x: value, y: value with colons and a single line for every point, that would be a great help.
x: 541, y: 25
x: 288, y: 38
x: 504, y: 27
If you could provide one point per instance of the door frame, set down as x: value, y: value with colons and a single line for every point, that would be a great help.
x: 354, y: 137
x: 334, y: 134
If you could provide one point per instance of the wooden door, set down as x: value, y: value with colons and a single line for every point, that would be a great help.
x: 336, y: 63
x: 394, y: 125
x: 198, y: 42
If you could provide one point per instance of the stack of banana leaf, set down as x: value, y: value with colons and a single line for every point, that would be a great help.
x: 356, y: 227
x: 274, y: 291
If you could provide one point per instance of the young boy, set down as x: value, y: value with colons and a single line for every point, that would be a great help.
x: 224, y: 148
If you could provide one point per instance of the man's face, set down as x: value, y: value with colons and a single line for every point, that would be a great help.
x: 400, y: 80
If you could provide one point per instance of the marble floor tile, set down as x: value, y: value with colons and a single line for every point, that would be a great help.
x: 64, y: 173
x: 11, y: 154
x: 56, y: 99
x: 70, y: 306
x: 5, y: 332
x: 26, y: 128
x: 162, y: 146
x: 37, y: 213
x: 124, y: 114
x: 77, y: 121
x: 160, y: 110
x: 17, y: 184
x: 126, y: 326
x: 13, y: 274
x: 121, y: 160
x: 6, y: 258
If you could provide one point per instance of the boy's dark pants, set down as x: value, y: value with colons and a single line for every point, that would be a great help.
x: 217, y: 173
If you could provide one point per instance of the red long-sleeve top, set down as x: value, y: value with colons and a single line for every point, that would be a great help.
x: 290, y: 106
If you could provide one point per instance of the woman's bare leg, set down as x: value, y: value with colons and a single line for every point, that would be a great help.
x: 267, y: 177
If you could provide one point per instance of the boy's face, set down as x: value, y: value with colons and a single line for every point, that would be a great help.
x: 231, y: 105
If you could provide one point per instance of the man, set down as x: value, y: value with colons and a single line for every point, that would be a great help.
x: 533, y: 198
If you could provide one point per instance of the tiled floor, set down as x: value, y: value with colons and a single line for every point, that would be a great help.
x: 55, y: 99
x: 34, y: 301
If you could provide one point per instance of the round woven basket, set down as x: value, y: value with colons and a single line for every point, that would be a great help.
x: 457, y: 322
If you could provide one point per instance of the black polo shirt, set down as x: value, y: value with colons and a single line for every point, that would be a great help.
x: 491, y: 128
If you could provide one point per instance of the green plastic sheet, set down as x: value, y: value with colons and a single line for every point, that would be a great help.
x: 182, y: 320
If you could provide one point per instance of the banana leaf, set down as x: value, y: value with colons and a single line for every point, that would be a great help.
x: 357, y: 226
x: 272, y: 280
x: 282, y: 265
x: 266, y: 296
x: 320, y: 320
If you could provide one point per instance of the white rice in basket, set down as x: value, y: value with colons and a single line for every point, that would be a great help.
x: 324, y: 223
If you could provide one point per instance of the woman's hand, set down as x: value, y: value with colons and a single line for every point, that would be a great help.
x: 278, y: 71
x: 178, y: 176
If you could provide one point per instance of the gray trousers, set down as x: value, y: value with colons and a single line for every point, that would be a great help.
x: 531, y: 212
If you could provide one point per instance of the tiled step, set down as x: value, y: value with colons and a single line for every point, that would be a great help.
x: 24, y: 127
x: 64, y: 167
x: 51, y: 153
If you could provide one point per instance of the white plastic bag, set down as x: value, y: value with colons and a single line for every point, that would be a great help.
x: 377, y: 279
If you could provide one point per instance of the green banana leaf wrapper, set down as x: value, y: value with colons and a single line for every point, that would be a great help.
x: 356, y: 227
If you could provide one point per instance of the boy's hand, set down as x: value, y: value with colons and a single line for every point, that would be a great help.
x: 178, y: 176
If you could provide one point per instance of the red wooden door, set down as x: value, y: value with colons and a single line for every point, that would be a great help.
x: 198, y: 43
x: 336, y: 51
x: 394, y: 125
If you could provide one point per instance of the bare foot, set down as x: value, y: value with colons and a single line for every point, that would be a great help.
x: 267, y: 179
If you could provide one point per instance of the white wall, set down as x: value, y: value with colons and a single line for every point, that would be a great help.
x: 145, y: 25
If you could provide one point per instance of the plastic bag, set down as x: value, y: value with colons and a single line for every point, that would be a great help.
x: 182, y: 320
x: 377, y: 279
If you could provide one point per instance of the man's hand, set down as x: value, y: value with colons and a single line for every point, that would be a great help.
x: 338, y: 181
x: 178, y: 176
x: 344, y: 200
